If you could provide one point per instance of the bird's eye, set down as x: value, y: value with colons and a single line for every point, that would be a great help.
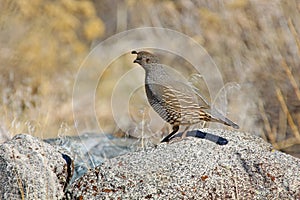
x: 147, y: 60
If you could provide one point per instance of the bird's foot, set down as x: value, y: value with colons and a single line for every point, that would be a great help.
x: 175, y: 139
x: 178, y: 139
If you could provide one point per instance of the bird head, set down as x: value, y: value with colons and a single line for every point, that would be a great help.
x: 145, y: 58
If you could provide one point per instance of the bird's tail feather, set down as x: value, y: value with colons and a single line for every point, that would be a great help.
x: 218, y: 117
x: 228, y: 122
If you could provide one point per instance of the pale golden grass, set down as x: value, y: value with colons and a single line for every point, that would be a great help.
x: 291, y: 78
x: 295, y: 34
x: 267, y: 125
x: 42, y: 46
x: 21, y: 188
x: 296, y: 139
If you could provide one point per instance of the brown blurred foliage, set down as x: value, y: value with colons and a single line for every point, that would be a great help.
x: 42, y: 45
x: 253, y: 42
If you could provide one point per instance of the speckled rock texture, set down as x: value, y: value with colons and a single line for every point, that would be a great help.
x: 245, y: 168
x: 91, y: 149
x: 32, y: 169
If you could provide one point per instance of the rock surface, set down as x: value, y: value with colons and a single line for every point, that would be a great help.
x: 32, y: 169
x: 91, y: 149
x: 245, y: 168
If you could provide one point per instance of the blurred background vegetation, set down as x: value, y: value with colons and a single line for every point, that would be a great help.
x: 255, y: 43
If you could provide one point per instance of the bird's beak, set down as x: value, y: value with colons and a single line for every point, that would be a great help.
x: 137, y: 61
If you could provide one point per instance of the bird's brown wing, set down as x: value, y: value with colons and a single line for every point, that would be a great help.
x: 188, y: 96
x: 192, y: 111
x: 175, y: 104
x: 178, y: 96
x: 164, y: 102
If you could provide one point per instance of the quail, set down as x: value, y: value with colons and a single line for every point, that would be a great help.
x: 175, y: 101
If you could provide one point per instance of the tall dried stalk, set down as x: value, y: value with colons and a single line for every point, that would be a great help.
x: 295, y: 131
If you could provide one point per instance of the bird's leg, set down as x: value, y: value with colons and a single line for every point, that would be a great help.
x: 184, y: 132
x: 167, y: 138
x: 177, y: 139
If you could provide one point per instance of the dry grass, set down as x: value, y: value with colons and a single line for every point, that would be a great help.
x: 42, y: 45
x: 254, y: 43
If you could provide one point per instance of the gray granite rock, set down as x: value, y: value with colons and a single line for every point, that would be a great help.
x: 92, y: 149
x: 245, y: 168
x: 32, y: 169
